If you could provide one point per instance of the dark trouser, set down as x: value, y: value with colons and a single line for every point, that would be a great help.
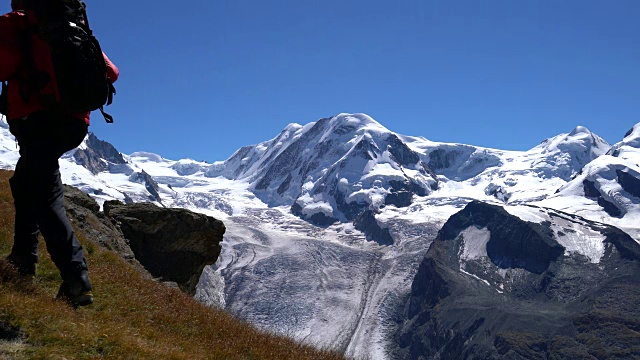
x: 38, y: 193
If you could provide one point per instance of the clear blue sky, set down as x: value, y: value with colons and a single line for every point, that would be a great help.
x: 202, y: 78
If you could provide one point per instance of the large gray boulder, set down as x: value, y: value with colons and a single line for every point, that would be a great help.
x: 173, y: 244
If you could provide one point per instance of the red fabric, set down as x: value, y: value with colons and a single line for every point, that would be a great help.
x: 12, y: 67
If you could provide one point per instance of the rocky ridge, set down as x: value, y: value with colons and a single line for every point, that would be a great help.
x: 494, y: 286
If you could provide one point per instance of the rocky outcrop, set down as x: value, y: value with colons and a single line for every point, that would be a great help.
x: 498, y: 192
x: 401, y: 152
x: 428, y: 288
x: 171, y: 244
x: 367, y: 223
x: 629, y: 183
x: 149, y: 183
x: 401, y: 192
x: 97, y: 155
x: 514, y: 243
x: 318, y: 219
x: 444, y: 158
x: 174, y: 244
x: 548, y: 305
x: 460, y: 162
x: 592, y: 192
x: 85, y: 213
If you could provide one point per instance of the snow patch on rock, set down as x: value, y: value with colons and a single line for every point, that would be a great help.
x: 474, y: 243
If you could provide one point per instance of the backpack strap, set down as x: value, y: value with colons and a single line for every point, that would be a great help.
x: 108, y: 118
x: 112, y: 92
x: 4, y: 100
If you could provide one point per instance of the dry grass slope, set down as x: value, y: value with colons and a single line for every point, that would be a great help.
x: 133, y: 317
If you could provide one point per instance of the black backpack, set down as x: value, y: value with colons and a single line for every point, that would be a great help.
x: 67, y: 70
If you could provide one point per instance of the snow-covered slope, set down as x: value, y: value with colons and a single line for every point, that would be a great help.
x: 331, y: 170
x: 607, y: 189
x: 298, y: 257
x: 629, y: 147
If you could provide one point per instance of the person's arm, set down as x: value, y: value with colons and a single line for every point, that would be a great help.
x: 112, y: 70
x: 10, y: 53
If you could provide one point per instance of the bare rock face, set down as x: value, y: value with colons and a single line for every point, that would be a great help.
x: 85, y: 213
x: 550, y: 304
x: 514, y: 243
x: 629, y: 183
x: 97, y: 155
x: 174, y: 244
x: 149, y: 183
x: 367, y: 223
x: 591, y: 191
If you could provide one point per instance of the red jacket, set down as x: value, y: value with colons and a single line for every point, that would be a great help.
x: 12, y: 67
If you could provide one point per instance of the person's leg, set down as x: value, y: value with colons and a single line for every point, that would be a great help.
x: 66, y: 135
x: 44, y: 139
x: 24, y: 254
x: 62, y: 244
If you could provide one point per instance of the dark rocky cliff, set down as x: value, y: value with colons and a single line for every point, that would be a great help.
x: 367, y: 223
x: 591, y: 191
x: 173, y: 245
x: 555, y: 306
x: 629, y: 183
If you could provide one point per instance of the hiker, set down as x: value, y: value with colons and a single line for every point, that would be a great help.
x: 43, y: 135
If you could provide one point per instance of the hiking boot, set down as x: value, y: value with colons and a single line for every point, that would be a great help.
x: 26, y: 268
x: 76, y: 289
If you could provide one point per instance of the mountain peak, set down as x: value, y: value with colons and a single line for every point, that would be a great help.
x: 356, y: 122
x: 329, y: 168
x: 355, y: 118
x: 292, y: 127
x: 147, y: 156
x: 97, y: 155
x: 579, y: 139
x: 580, y: 130
x: 565, y: 155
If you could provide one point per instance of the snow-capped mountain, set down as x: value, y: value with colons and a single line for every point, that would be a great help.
x: 331, y: 170
x: 328, y: 223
